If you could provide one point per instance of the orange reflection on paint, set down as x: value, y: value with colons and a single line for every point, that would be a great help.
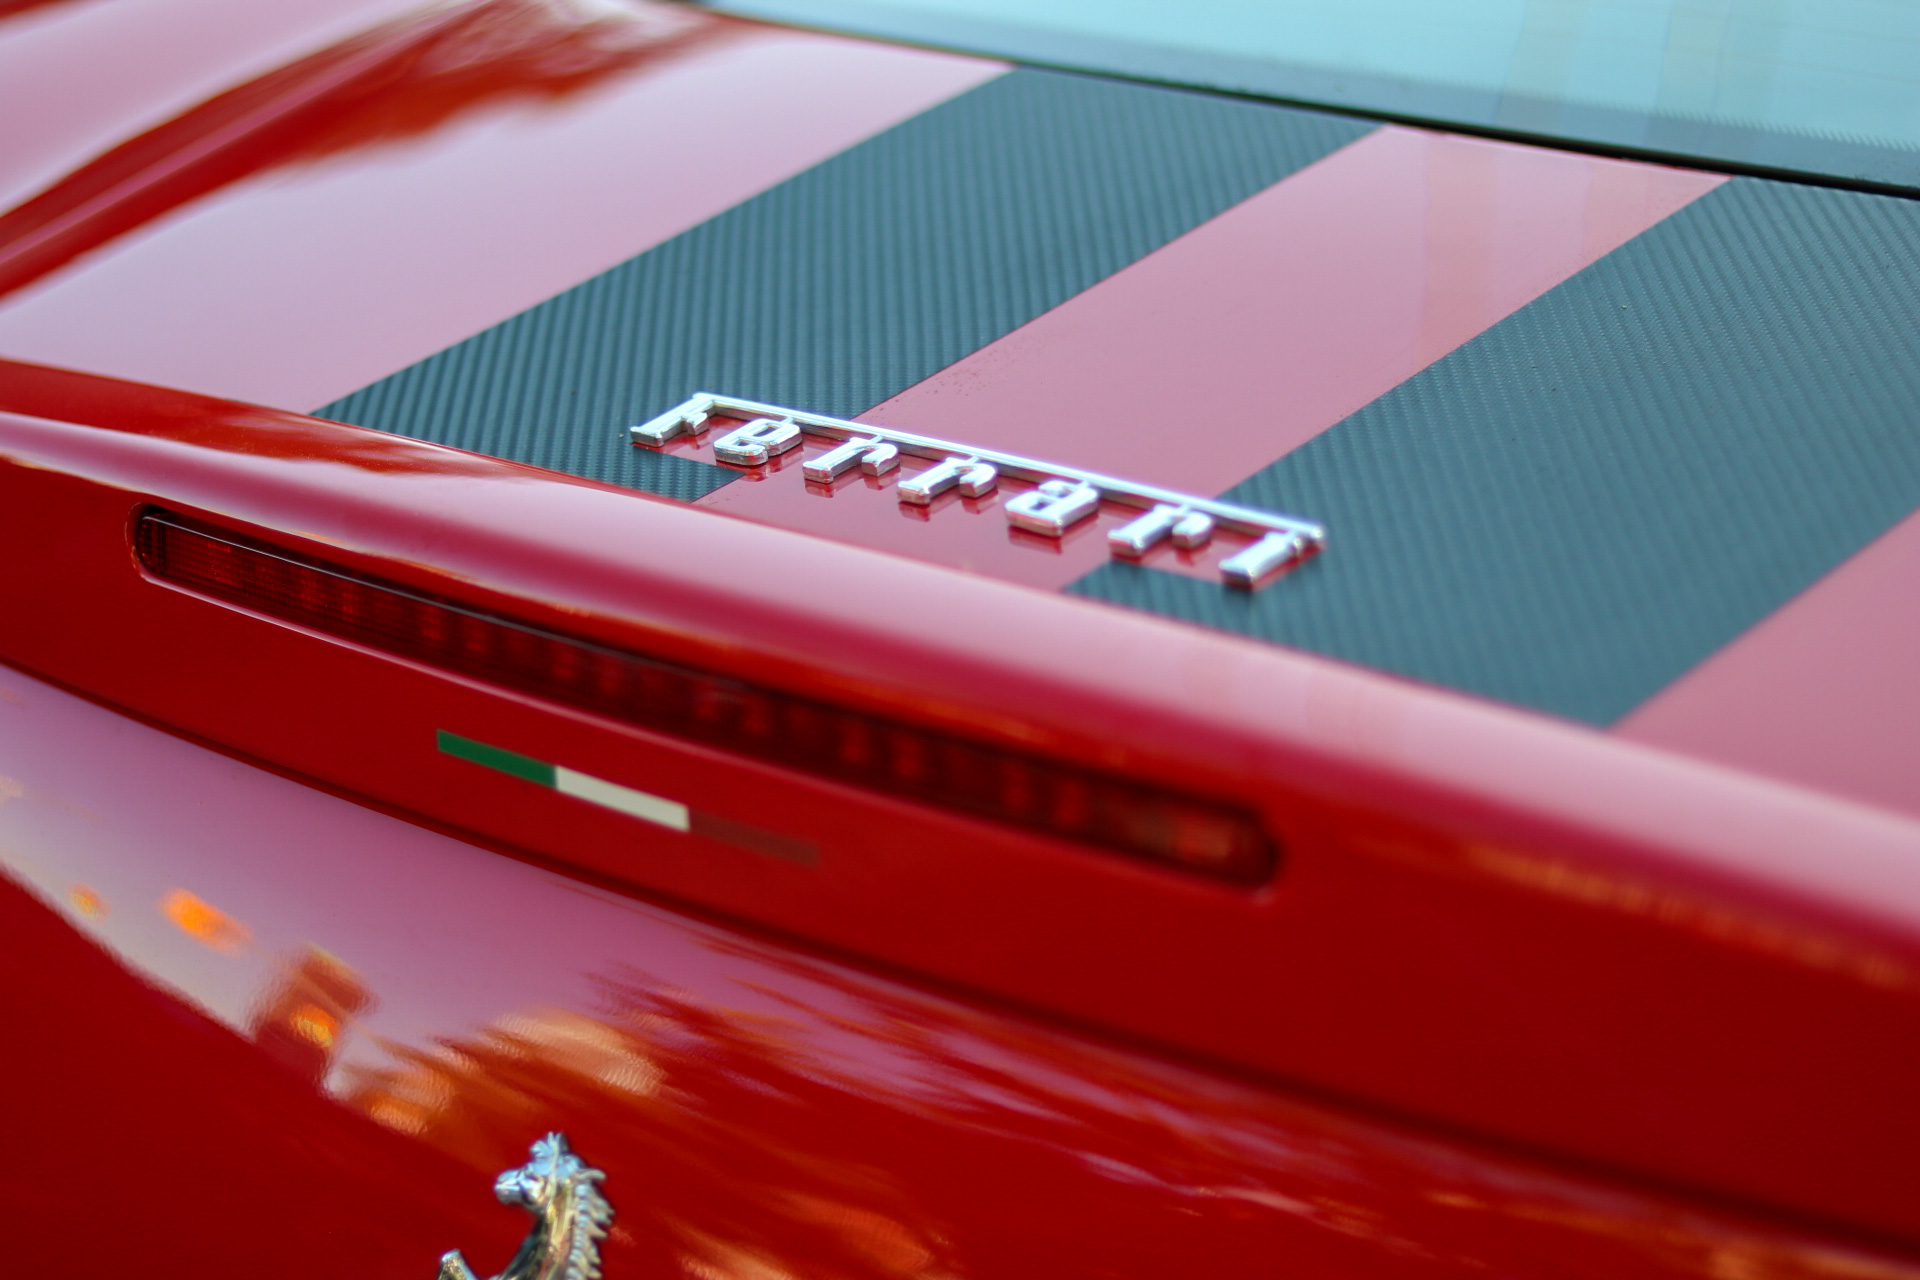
x: 311, y: 1022
x: 87, y: 902
x: 869, y: 1134
x: 307, y: 1011
x: 204, y: 922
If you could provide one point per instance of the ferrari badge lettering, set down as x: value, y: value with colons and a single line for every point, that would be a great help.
x: 759, y: 440
x: 1054, y: 507
x: 969, y: 475
x: 1275, y: 551
x: 1186, y: 527
x: 1250, y: 547
x: 874, y: 456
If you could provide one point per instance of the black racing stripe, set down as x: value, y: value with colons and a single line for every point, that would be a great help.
x: 850, y: 282
x: 1598, y: 493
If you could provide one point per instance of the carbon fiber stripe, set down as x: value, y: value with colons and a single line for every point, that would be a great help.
x: 1581, y: 504
x: 851, y: 282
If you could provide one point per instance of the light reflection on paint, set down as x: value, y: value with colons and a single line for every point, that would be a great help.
x: 865, y: 1132
x: 311, y: 1001
x: 547, y: 166
x: 89, y: 904
x: 758, y: 1113
x: 311, y: 1022
x: 205, y: 923
x: 400, y: 80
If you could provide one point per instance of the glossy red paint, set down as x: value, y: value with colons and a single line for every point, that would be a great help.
x: 1822, y: 693
x: 90, y: 74
x: 399, y: 81
x: 11, y: 8
x: 1248, y: 336
x: 343, y: 215
x: 1495, y: 921
x: 758, y: 1111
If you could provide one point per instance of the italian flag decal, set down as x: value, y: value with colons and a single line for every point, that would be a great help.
x: 630, y: 801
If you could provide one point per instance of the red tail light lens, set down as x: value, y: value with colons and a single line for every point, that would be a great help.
x: 934, y: 768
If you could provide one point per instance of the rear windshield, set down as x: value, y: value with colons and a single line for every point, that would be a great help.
x: 1826, y: 87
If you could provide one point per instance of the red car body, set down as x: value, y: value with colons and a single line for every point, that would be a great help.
x: 288, y: 985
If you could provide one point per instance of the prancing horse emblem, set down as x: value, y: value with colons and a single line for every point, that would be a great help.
x: 570, y: 1216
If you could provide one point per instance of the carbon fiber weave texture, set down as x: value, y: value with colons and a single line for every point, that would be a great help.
x: 858, y: 278
x: 1578, y: 506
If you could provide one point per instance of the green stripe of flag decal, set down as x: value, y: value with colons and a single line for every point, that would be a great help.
x: 497, y: 758
x: 582, y: 786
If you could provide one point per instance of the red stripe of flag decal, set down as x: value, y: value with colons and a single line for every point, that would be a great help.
x: 1825, y: 692
x: 1219, y: 353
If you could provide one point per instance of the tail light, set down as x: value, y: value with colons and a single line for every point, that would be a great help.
x: 1113, y: 812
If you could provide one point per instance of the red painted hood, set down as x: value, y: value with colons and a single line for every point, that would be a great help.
x: 1627, y: 883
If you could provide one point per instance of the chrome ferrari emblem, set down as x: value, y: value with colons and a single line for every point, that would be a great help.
x: 570, y: 1217
x: 1061, y: 499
